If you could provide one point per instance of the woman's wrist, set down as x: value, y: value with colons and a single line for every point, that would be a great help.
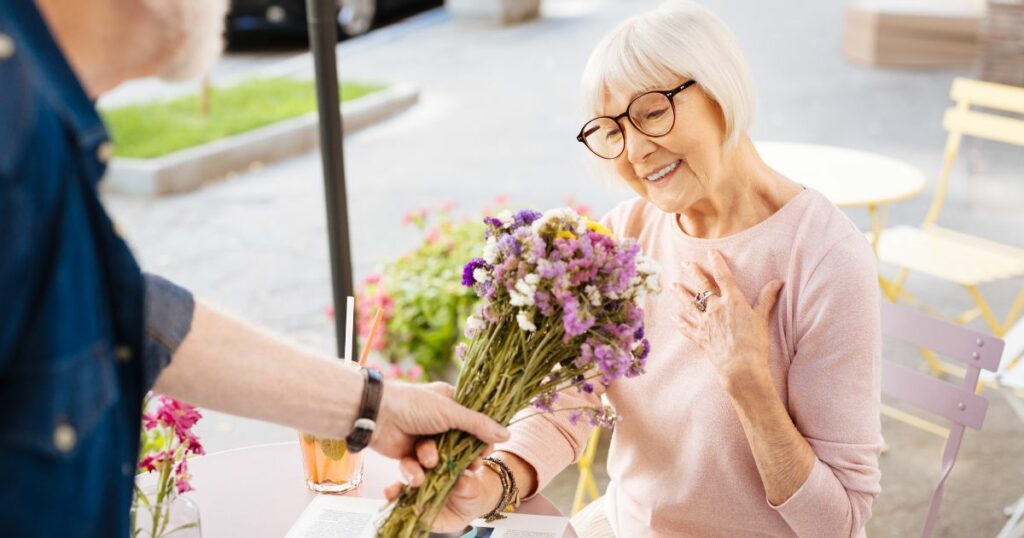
x: 748, y: 380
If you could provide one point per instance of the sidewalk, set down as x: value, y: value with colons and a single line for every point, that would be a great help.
x: 498, y: 115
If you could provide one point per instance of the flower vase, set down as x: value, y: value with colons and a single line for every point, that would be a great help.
x: 172, y: 516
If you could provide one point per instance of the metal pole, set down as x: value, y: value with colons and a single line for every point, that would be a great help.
x: 321, y: 18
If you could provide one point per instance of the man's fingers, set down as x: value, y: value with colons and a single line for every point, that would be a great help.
x: 426, y: 453
x: 412, y: 473
x: 478, y: 424
x: 442, y: 388
x: 768, y: 297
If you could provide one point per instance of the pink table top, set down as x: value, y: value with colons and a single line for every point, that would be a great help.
x: 259, y: 491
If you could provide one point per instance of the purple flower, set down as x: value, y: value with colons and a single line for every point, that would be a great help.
x: 493, y: 222
x: 467, y: 272
x: 545, y: 402
x: 525, y: 217
x: 509, y: 245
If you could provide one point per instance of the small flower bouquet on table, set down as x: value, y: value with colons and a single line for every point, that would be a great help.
x: 560, y: 309
x: 167, y: 441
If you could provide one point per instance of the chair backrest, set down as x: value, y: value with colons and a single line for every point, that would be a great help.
x: 958, y: 403
x: 961, y: 120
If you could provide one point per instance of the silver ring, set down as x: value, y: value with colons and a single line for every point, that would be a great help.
x: 701, y: 300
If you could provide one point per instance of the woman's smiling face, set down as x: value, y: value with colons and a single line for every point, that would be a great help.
x: 672, y: 171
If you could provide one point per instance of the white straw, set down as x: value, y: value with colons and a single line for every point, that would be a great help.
x: 350, y: 307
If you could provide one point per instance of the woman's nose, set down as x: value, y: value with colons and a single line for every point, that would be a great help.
x: 638, y: 145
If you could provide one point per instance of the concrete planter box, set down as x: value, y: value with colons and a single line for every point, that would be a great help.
x: 191, y: 168
x: 494, y: 11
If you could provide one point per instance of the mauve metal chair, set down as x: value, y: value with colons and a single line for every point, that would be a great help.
x: 956, y: 402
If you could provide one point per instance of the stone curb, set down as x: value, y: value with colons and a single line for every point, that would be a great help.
x: 188, y: 169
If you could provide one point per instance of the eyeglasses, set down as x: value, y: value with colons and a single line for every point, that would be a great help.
x: 652, y: 113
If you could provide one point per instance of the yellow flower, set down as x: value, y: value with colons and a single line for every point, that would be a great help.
x: 565, y: 235
x: 595, y: 226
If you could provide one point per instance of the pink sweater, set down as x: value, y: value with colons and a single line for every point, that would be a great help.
x: 680, y: 464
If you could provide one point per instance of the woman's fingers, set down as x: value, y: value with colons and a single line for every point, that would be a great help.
x: 468, y: 486
x: 412, y: 473
x: 689, y: 312
x: 391, y: 492
x: 699, y: 280
x: 722, y: 274
x: 767, y: 298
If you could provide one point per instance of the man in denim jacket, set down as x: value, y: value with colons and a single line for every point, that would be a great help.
x: 83, y: 333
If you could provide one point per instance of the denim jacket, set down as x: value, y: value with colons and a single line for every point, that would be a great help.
x: 74, y: 361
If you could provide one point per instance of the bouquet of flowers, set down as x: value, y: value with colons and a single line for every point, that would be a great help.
x: 559, y: 309
x: 167, y: 441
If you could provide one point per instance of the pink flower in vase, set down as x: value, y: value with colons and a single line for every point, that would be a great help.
x: 150, y: 462
x: 179, y: 416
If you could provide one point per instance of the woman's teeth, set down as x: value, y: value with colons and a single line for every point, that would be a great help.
x: 663, y: 172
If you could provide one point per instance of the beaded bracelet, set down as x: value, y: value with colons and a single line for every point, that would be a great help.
x: 509, y: 491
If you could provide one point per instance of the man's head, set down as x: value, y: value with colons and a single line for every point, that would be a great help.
x: 110, y: 41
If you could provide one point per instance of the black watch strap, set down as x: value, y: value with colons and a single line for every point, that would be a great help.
x: 366, y: 420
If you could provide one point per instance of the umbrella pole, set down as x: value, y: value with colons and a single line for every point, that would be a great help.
x: 321, y: 18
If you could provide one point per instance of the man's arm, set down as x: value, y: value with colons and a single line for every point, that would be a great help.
x: 225, y: 364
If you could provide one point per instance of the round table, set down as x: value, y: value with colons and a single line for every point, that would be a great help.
x: 259, y: 491
x: 847, y: 177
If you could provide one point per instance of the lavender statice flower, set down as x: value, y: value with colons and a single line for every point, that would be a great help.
x: 525, y: 217
x: 545, y: 402
x: 468, y: 271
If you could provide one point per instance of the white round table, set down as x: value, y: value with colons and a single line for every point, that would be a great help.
x: 847, y: 177
x: 259, y: 491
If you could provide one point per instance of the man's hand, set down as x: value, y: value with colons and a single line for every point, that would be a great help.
x: 410, y: 411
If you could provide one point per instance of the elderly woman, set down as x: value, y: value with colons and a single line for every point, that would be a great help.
x: 759, y: 411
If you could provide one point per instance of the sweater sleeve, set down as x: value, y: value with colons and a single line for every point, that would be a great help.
x: 548, y: 441
x: 834, y: 391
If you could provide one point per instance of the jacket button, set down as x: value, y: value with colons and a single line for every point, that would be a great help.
x: 64, y: 437
x: 6, y: 46
x: 104, y: 152
x: 123, y: 353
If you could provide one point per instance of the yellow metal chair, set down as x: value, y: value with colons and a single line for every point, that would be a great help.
x: 586, y: 486
x: 953, y: 256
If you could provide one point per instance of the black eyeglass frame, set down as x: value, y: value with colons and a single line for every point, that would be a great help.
x: 670, y: 94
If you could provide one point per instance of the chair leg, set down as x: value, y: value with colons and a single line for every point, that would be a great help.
x: 986, y: 311
x: 1012, y: 529
x: 586, y: 485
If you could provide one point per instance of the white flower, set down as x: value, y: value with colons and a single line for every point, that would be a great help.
x: 523, y: 292
x: 593, y: 295
x: 532, y: 279
x: 491, y: 251
x: 559, y: 214
x: 653, y: 283
x: 525, y: 320
x: 480, y: 275
x: 474, y: 325
x: 506, y: 217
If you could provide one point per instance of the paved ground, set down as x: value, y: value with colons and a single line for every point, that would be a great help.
x: 498, y: 116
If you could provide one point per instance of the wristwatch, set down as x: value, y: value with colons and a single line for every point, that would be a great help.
x: 366, y: 420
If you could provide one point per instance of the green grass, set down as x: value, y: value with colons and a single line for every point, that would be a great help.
x: 156, y: 129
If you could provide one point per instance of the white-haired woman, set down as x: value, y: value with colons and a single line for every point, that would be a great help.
x: 759, y: 411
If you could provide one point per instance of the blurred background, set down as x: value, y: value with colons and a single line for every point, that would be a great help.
x: 462, y: 108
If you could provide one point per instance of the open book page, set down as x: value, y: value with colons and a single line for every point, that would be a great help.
x: 333, y: 516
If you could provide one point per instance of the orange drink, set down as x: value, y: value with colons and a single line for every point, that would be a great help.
x: 329, y: 466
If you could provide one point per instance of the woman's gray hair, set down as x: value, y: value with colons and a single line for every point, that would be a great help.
x: 663, y: 48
